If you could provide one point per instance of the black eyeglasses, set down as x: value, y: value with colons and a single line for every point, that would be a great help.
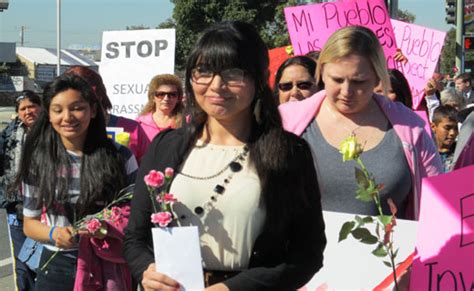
x: 204, y: 76
x: 161, y: 94
x: 304, y: 85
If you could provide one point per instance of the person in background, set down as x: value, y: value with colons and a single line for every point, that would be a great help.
x: 28, y: 108
x: 445, y: 132
x: 138, y: 140
x: 262, y: 228
x: 70, y: 169
x: 294, y: 79
x: 164, y: 108
x: 399, y: 89
x: 452, y: 98
x: 464, y: 86
x: 397, y: 149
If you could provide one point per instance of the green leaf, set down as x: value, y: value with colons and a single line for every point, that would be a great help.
x: 359, y: 220
x: 385, y: 219
x: 388, y: 264
x: 395, y: 253
x: 370, y: 240
x: 345, y: 230
x: 368, y: 219
x: 380, y: 251
x: 361, y: 179
x: 363, y: 194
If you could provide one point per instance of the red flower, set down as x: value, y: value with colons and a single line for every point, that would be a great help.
x: 93, y: 225
x: 167, y: 198
x: 161, y: 218
x: 154, y: 179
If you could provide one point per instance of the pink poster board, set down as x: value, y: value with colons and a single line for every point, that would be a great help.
x: 311, y: 25
x: 422, y: 46
x: 424, y: 116
x: 445, y: 239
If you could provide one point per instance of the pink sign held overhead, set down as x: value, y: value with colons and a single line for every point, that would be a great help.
x: 422, y: 47
x: 445, y: 240
x: 311, y: 25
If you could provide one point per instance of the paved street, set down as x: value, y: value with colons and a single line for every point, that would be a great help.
x: 6, y: 275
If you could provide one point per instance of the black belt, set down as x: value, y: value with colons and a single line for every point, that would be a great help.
x: 214, y: 277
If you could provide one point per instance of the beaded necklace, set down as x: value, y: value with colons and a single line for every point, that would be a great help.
x: 234, y: 166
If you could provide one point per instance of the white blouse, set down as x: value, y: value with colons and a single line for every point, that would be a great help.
x: 230, y: 224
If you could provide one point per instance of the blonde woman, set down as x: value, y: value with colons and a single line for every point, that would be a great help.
x: 164, y: 107
x: 396, y: 147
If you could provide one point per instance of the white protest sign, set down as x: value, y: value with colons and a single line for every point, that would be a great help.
x: 178, y: 255
x: 350, y: 264
x: 129, y: 60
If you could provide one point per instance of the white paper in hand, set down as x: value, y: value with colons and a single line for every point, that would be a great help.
x: 178, y: 255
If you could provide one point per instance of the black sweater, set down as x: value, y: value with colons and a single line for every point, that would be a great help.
x: 285, y: 255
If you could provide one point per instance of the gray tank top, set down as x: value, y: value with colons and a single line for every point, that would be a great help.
x: 386, y: 162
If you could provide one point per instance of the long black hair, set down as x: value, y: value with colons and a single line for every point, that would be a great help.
x: 400, y: 87
x: 44, y: 156
x: 236, y: 44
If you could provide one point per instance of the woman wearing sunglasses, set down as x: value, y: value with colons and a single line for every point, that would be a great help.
x: 164, y: 107
x: 294, y: 80
x: 248, y: 185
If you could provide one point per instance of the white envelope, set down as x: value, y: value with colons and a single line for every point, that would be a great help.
x: 178, y: 255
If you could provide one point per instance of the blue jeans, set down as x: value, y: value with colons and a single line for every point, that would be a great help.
x: 25, y: 277
x: 60, y: 272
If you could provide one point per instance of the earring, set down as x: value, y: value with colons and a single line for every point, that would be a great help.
x: 257, y: 111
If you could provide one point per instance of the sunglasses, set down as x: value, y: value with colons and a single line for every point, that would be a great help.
x: 304, y: 85
x: 161, y: 94
x: 19, y: 98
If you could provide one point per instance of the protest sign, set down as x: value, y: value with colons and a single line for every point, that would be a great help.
x: 445, y: 239
x: 422, y: 47
x: 277, y: 57
x: 350, y: 265
x: 311, y: 25
x: 129, y: 60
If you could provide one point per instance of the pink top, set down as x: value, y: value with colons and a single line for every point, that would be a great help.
x: 420, y: 151
x: 138, y: 138
x: 149, y: 126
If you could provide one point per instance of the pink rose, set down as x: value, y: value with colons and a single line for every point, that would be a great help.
x: 93, y: 225
x: 161, y: 218
x: 116, y: 215
x: 167, y: 198
x: 169, y: 172
x: 154, y: 179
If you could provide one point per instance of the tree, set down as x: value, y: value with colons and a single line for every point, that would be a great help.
x: 406, y: 16
x: 191, y: 17
x: 448, y: 54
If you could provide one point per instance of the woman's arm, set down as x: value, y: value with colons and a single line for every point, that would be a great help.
x: 62, y: 236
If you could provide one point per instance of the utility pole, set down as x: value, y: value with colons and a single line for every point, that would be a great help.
x: 22, y: 35
x: 459, y: 35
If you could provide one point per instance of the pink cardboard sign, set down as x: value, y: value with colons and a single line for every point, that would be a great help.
x: 422, y: 47
x: 311, y: 25
x: 445, y: 239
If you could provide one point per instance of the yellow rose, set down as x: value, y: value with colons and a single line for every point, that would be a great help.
x: 350, y: 149
x: 123, y: 138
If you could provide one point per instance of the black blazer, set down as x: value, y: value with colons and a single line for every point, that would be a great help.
x: 283, y: 258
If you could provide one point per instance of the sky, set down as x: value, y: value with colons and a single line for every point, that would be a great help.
x: 83, y: 21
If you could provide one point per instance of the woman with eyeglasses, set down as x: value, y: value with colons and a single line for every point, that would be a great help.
x: 294, y: 80
x: 164, y: 107
x: 248, y: 185
x: 397, y: 149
